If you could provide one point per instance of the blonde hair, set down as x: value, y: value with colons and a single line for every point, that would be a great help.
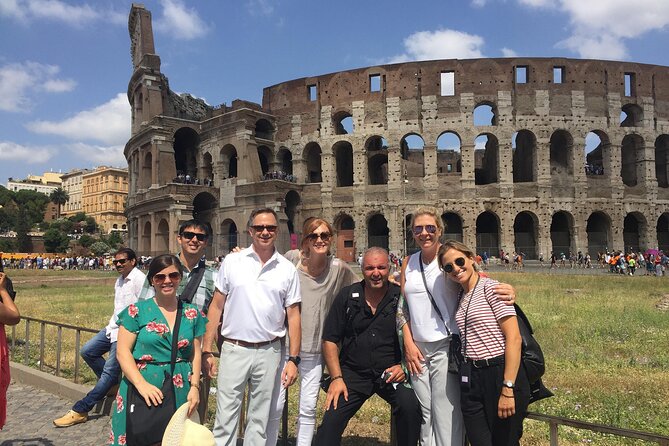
x: 458, y: 246
x: 432, y: 213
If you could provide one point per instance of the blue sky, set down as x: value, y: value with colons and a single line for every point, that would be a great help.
x: 65, y: 65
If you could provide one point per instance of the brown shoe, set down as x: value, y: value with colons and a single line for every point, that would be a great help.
x: 71, y: 418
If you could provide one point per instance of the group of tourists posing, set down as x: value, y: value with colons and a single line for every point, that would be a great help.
x: 277, y: 319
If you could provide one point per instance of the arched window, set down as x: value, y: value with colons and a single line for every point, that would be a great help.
x: 411, y: 148
x: 485, y: 114
x: 486, y: 159
x: 449, y: 159
x: 524, y: 147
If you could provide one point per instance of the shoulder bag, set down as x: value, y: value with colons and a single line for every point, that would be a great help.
x: 145, y: 425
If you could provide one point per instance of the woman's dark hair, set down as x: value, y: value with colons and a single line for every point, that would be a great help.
x: 161, y: 262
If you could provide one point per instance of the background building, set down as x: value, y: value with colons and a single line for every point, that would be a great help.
x: 73, y: 184
x: 46, y: 183
x: 536, y: 155
x: 104, y: 193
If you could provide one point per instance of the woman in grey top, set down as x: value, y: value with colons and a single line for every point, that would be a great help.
x: 321, y: 277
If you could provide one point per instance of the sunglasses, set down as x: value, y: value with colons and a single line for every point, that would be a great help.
x: 119, y: 261
x: 160, y: 277
x: 325, y: 236
x: 188, y: 235
x: 430, y: 229
x: 261, y: 228
x: 448, y: 268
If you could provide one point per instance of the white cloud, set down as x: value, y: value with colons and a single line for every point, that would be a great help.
x: 601, y: 27
x: 479, y: 3
x: 108, y: 123
x: 57, y: 10
x: 10, y: 151
x: 508, y: 52
x: 99, y: 155
x: 260, y: 7
x: 440, y: 44
x: 18, y: 81
x: 180, y: 22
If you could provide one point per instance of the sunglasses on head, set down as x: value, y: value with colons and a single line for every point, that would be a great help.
x: 119, y: 261
x: 448, y: 268
x: 188, y: 235
x: 160, y: 277
x: 430, y: 229
x: 325, y: 236
x: 261, y: 228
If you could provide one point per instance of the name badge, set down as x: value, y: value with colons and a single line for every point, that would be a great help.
x: 355, y: 294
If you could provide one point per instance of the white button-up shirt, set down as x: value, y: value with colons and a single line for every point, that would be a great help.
x: 126, y: 292
x: 257, y: 295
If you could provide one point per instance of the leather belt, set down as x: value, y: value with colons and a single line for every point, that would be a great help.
x: 487, y: 362
x: 249, y: 344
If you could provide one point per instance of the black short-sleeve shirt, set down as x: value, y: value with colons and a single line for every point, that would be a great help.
x: 368, y: 342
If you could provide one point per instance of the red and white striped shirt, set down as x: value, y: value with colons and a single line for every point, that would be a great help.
x: 482, y: 337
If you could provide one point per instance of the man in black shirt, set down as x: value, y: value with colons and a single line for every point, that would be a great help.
x: 362, y: 322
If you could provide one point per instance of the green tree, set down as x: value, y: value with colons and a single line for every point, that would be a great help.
x: 59, y: 197
x: 86, y: 240
x: 7, y: 219
x: 99, y: 248
x: 7, y: 245
x: 56, y: 241
x: 114, y: 239
x: 22, y: 227
x: 78, y: 217
x: 91, y: 225
x: 34, y: 204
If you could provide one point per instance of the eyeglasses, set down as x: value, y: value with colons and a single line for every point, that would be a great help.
x: 448, y: 268
x: 325, y: 236
x: 188, y: 235
x: 261, y: 228
x: 119, y: 261
x: 418, y: 230
x: 160, y: 278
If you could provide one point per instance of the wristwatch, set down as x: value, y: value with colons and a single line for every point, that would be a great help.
x: 508, y: 384
x: 295, y: 359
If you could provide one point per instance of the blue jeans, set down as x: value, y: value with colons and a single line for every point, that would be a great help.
x: 108, y: 372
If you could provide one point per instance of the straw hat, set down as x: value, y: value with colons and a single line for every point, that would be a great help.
x: 184, y: 431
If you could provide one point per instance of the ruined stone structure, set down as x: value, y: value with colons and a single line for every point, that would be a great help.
x: 537, y: 155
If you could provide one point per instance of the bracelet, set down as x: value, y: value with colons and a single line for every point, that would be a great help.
x: 336, y: 377
x: 506, y: 396
x: 196, y: 385
x: 207, y: 353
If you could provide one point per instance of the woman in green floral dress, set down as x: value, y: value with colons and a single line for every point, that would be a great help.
x: 144, y: 345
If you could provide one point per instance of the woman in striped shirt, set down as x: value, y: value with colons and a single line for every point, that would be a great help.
x: 494, y: 389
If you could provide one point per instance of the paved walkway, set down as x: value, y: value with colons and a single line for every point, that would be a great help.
x: 30, y: 415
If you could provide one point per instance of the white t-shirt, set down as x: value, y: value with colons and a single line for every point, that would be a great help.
x: 126, y: 292
x: 426, y: 325
x: 256, y: 295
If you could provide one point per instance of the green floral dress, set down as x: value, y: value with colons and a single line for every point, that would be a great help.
x: 152, y: 353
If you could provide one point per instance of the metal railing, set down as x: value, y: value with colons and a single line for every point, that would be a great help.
x: 553, y: 421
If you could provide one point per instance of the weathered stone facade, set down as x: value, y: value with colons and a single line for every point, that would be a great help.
x: 365, y: 147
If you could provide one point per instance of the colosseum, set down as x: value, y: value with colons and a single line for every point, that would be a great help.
x: 534, y: 155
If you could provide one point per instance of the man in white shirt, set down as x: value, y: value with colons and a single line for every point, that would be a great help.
x: 126, y: 291
x: 257, y: 290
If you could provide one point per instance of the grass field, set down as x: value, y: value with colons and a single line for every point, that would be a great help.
x: 606, y: 346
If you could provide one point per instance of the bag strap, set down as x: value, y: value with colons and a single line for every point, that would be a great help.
x: 175, y: 336
x: 434, y: 304
x: 464, y: 334
x: 193, y: 282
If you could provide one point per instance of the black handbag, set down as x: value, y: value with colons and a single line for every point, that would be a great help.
x: 145, y: 425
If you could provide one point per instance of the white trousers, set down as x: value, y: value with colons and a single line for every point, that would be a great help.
x: 311, y: 370
x: 238, y: 367
x: 439, y: 395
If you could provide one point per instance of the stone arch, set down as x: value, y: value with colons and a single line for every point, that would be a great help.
x: 561, y: 147
x: 562, y: 233
x: 292, y: 200
x: 146, y: 238
x: 312, y: 157
x: 412, y: 150
x: 162, y: 237
x: 186, y: 145
x: 631, y: 116
x: 346, y: 249
x: 631, y: 159
x: 487, y: 233
x: 635, y: 230
x: 228, y: 156
x: 452, y: 226
x: 376, y: 148
x: 662, y: 229
x: 486, y: 159
x: 596, y: 142
x: 524, y: 147
x: 147, y: 169
x: 343, y: 152
x: 342, y: 122
x: 449, y: 153
x: 485, y: 113
x: 378, y: 231
x: 662, y: 161
x: 598, y: 229
x: 525, y: 230
x: 264, y: 129
x: 229, y: 235
x: 207, y: 167
x: 285, y: 160
x: 265, y: 158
